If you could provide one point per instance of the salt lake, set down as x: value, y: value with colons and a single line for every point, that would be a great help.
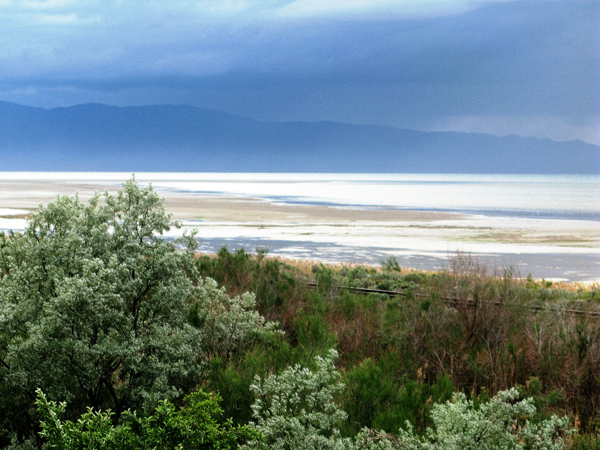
x: 546, y: 225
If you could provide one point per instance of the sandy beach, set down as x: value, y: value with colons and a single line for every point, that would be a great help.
x: 546, y: 248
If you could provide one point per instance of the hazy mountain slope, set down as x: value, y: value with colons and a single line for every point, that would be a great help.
x: 96, y: 137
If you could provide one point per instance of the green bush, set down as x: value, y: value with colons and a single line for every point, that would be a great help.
x: 196, y: 425
x: 99, y: 311
x: 499, y: 424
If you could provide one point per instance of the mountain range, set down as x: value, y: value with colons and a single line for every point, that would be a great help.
x: 95, y: 137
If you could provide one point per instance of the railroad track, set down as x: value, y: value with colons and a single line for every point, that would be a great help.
x: 456, y: 301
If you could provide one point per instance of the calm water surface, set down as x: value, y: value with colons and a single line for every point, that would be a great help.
x: 562, y: 196
x: 539, y: 196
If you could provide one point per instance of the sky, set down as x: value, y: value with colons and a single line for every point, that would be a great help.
x: 530, y: 68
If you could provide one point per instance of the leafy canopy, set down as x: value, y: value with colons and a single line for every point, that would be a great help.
x: 196, y: 425
x: 97, y: 310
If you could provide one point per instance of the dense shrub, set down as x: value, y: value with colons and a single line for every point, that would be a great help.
x: 198, y: 424
x: 100, y: 312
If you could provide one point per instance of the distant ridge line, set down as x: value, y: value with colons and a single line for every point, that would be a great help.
x: 170, y: 138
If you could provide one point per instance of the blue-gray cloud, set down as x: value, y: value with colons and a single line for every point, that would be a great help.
x: 410, y: 63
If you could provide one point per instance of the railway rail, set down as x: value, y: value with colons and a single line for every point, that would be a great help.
x: 456, y: 300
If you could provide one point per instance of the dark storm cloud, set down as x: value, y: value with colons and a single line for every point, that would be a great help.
x: 381, y: 62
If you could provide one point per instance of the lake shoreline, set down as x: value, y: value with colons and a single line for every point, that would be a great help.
x: 547, y: 248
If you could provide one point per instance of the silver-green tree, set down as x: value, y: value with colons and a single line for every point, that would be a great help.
x: 93, y: 303
x: 296, y: 410
x: 500, y: 424
x: 95, y: 307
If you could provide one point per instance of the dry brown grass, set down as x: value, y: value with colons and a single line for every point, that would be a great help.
x: 575, y: 286
x: 305, y: 267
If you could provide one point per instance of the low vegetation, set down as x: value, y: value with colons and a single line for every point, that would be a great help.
x: 111, y: 337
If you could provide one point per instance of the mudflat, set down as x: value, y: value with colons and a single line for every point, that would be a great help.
x: 550, y: 248
x: 191, y: 206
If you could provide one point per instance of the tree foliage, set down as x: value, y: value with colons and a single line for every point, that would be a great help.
x: 99, y: 311
x: 296, y: 409
x: 94, y: 303
x: 500, y: 424
x: 196, y: 425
